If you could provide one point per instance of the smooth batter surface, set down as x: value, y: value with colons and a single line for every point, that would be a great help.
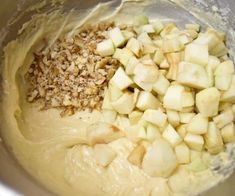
x: 52, y: 148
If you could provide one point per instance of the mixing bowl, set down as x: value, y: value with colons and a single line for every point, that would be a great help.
x: 14, y: 13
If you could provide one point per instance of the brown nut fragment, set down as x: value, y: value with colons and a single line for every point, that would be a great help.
x: 136, y: 156
x: 102, y: 133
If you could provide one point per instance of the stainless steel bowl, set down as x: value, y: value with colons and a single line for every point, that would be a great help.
x: 13, y: 179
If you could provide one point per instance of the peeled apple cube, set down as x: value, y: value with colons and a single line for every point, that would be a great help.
x: 192, y: 75
x: 181, y: 130
x: 186, y: 117
x: 173, y: 117
x: 172, y: 45
x: 223, y: 82
x: 160, y: 159
x: 104, y: 154
x: 105, y: 48
x: 136, y: 156
x: 142, y: 133
x: 207, y: 102
x: 197, y: 54
x: 229, y: 95
x: 195, y: 142
x: 220, y: 50
x: 146, y: 73
x: 148, y: 28
x: 145, y: 39
x: 161, y: 85
x: 130, y: 67
x: 153, y: 132
x: 182, y: 153
x: 228, y: 133
x: 121, y: 79
x: 158, y: 26
x: 125, y: 104
x: 213, y: 139
x: 213, y: 61
x: 115, y: 92
x: 171, y: 135
x: 146, y: 101
x: 224, y: 118
x: 135, y: 116
x: 198, y: 124
x: 107, y: 101
x: 143, y: 85
x: 125, y: 56
x: 227, y: 67
x: 117, y: 37
x: 141, y: 20
x: 156, y: 117
x: 158, y: 56
x: 135, y: 46
x: 197, y: 165
x: 187, y: 99
x: 173, y: 98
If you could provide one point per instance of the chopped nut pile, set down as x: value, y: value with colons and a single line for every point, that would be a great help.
x: 70, y: 75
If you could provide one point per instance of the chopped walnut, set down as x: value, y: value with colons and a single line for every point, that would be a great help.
x: 70, y: 76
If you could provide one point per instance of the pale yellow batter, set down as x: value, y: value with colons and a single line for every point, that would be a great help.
x: 52, y: 148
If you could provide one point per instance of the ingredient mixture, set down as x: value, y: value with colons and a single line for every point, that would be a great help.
x: 145, y: 108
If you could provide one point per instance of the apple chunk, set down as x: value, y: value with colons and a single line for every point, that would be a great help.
x: 135, y: 46
x: 121, y: 79
x: 146, y: 73
x: 136, y: 156
x: 105, y: 48
x: 229, y: 95
x: 156, y: 117
x: 207, y: 101
x: 195, y: 142
x: 192, y: 75
x: 160, y: 159
x: 197, y: 54
x: 198, y: 125
x: 117, y: 37
x: 228, y: 133
x: 182, y: 153
x: 161, y: 85
x: 224, y: 118
x: 171, y: 135
x: 147, y: 100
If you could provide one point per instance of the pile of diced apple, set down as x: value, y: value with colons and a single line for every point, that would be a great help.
x: 175, y: 88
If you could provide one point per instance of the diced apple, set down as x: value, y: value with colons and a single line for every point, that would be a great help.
x: 197, y: 54
x: 187, y: 99
x: 128, y: 34
x: 115, y: 92
x: 117, y: 54
x: 130, y: 67
x: 135, y: 46
x: 195, y: 27
x: 195, y: 142
x: 153, y: 132
x: 223, y: 82
x: 121, y: 79
x: 135, y: 116
x: 136, y: 156
x: 146, y: 101
x: 158, y: 26
x: 198, y: 124
x: 174, y: 58
x: 185, y: 38
x: 141, y: 20
x: 148, y: 28
x: 167, y: 29
x: 142, y: 133
x: 125, y: 56
x: 122, y: 122
x: 213, y: 139
x: 146, y: 73
x: 117, y: 37
x: 173, y: 117
x: 101, y: 132
x: 229, y: 95
x: 228, y: 133
x: 172, y: 45
x: 132, y: 132
x: 182, y: 153
x: 109, y: 116
x: 207, y: 101
x: 161, y: 85
x: 192, y: 75
x: 105, y: 48
x: 227, y: 67
x: 156, y: 117
x: 171, y: 135
x: 182, y: 131
x: 220, y: 50
x: 195, y: 155
x: 107, y: 101
x: 160, y: 159
x: 164, y: 64
x: 125, y: 104
x: 192, y: 33
x: 143, y: 85
x: 104, y: 154
x: 210, y: 75
x: 213, y: 62
x: 173, y: 98
x: 224, y: 118
x: 186, y: 117
x: 224, y: 106
x: 158, y: 57
x: 145, y: 39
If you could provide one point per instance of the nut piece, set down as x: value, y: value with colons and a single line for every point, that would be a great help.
x: 136, y: 156
x: 100, y: 132
x: 104, y: 154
